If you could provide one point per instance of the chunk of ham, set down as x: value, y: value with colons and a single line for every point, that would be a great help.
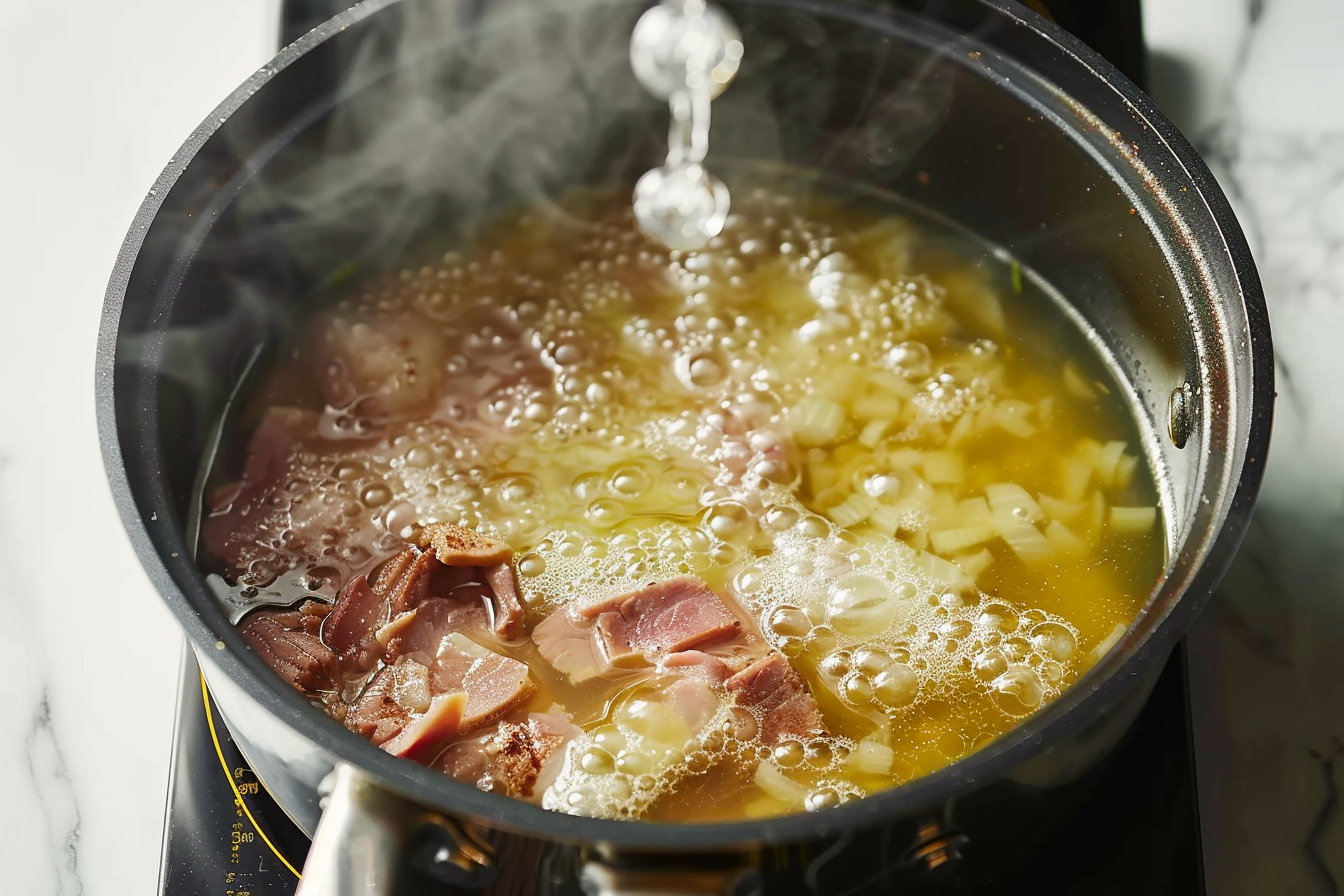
x: 455, y: 546
x: 424, y: 737
x: 353, y: 622
x: 378, y: 365
x: 519, y: 758
x: 771, y: 689
x: 239, y: 513
x: 404, y: 579
x: 494, y: 684
x: 697, y: 664
x: 632, y: 629
x: 296, y: 654
x: 390, y: 700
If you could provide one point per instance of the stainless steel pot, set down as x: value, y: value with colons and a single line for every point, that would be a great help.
x: 401, y: 116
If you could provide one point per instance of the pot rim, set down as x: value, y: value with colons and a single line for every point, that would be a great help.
x: 991, y: 762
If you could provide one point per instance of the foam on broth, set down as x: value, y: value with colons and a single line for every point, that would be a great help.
x: 919, y: 480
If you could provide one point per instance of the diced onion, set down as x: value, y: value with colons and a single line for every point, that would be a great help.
x: 974, y: 564
x: 943, y: 467
x: 1133, y: 520
x: 944, y: 571
x: 951, y: 541
x: 1075, y: 384
x: 1107, y: 643
x: 871, y: 757
x: 774, y: 782
x: 876, y: 407
x: 1075, y: 475
x: 1108, y: 459
x: 1059, y: 509
x: 1026, y: 541
x: 874, y: 431
x: 1011, y: 416
x: 1011, y: 498
x: 1124, y: 471
x: 1064, y: 540
x: 973, y: 510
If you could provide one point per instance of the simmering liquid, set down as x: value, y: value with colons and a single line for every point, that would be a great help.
x: 918, y: 481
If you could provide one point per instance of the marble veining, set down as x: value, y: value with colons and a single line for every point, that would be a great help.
x: 56, y: 795
x: 1272, y: 643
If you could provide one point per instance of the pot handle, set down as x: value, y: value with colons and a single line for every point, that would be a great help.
x: 370, y: 842
x: 669, y: 877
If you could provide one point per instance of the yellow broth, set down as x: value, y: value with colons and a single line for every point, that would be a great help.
x: 916, y: 476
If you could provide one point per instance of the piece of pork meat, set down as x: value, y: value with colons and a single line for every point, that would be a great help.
x: 353, y: 623
x: 405, y: 579
x: 424, y: 736
x: 631, y: 629
x: 494, y: 684
x: 380, y: 364
x: 455, y: 546
x: 239, y: 512
x: 774, y: 691
x: 296, y: 654
x: 519, y: 758
x: 390, y: 700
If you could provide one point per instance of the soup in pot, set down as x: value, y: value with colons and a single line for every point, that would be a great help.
x: 690, y: 536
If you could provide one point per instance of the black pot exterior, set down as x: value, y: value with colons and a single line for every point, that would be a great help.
x: 975, y: 109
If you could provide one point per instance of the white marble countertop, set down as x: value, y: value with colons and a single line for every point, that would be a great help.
x: 97, y: 96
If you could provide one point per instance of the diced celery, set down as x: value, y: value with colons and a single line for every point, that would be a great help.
x: 1108, y: 458
x: 943, y: 467
x: 821, y: 475
x: 1133, y: 520
x: 905, y: 515
x: 874, y: 431
x: 1107, y: 643
x: 871, y: 757
x: 1012, y: 499
x: 1012, y: 417
x: 816, y: 421
x: 1075, y: 384
x: 1065, y: 541
x: 1026, y: 541
x: 1059, y: 509
x: 775, y: 783
x: 944, y: 571
x: 951, y: 541
x: 974, y: 564
x: 853, y: 510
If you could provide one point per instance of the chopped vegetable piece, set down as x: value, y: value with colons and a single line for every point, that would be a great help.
x: 1108, y: 458
x: 904, y: 516
x: 1026, y: 541
x: 974, y: 564
x: 943, y: 467
x: 1059, y: 509
x: 1107, y: 642
x: 1011, y: 416
x: 1011, y: 498
x: 1075, y: 384
x: 876, y: 407
x: 853, y: 510
x: 871, y: 757
x: 816, y: 421
x: 1124, y: 471
x: 775, y: 783
x: 874, y: 431
x: 951, y: 541
x: 1133, y: 520
x: 944, y: 571
x: 1064, y: 540
x: 1075, y: 475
